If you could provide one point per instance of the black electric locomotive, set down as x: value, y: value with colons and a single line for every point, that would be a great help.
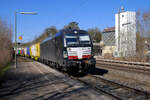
x: 69, y: 50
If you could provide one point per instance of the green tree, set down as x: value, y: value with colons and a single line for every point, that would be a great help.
x: 72, y: 25
x: 95, y: 34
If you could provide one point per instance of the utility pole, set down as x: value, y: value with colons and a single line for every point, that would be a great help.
x: 16, y: 39
x: 27, y: 13
x: 119, y: 32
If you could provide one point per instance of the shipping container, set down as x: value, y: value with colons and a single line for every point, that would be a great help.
x: 28, y: 52
x: 37, y: 51
x: 33, y: 51
x: 25, y: 51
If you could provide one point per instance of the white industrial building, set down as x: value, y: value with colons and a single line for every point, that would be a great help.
x: 125, y: 34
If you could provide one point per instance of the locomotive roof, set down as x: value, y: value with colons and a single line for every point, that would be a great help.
x: 64, y: 31
x: 72, y: 31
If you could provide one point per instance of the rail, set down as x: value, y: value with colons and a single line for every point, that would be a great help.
x: 123, y: 62
x: 113, y: 89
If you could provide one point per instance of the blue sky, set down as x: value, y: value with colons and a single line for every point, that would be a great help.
x: 88, y: 13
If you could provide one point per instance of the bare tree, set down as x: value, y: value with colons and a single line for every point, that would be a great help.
x: 5, y: 44
x: 143, y: 33
x: 51, y: 31
x: 47, y: 33
x: 72, y: 25
x: 95, y: 34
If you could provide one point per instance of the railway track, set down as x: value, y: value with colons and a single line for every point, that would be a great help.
x: 115, y: 90
x: 124, y: 62
x: 112, y: 89
x: 124, y: 65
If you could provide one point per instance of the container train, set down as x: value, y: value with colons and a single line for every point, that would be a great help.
x: 68, y: 50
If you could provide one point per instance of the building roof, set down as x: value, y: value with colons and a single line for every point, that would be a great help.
x: 109, y: 29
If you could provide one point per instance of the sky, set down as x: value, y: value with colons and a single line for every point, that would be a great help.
x: 88, y: 13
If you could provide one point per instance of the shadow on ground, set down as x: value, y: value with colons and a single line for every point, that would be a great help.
x: 97, y: 71
x: 92, y: 71
x: 25, y: 83
x: 18, y: 84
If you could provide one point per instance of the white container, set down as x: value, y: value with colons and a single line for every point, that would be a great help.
x: 33, y: 50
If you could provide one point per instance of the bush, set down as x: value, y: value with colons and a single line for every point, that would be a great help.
x: 5, y: 44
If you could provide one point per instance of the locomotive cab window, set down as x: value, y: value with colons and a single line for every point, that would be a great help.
x: 78, y: 39
x: 84, y: 38
x: 71, y: 39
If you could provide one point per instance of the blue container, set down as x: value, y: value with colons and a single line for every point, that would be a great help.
x: 28, y: 51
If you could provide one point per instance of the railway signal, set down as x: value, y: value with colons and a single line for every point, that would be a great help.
x: 20, y: 37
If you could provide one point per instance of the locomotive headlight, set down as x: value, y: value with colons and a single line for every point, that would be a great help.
x: 65, y: 54
x: 69, y: 49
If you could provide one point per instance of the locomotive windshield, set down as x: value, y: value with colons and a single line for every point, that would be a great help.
x: 80, y: 39
x: 71, y: 39
x: 84, y: 38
